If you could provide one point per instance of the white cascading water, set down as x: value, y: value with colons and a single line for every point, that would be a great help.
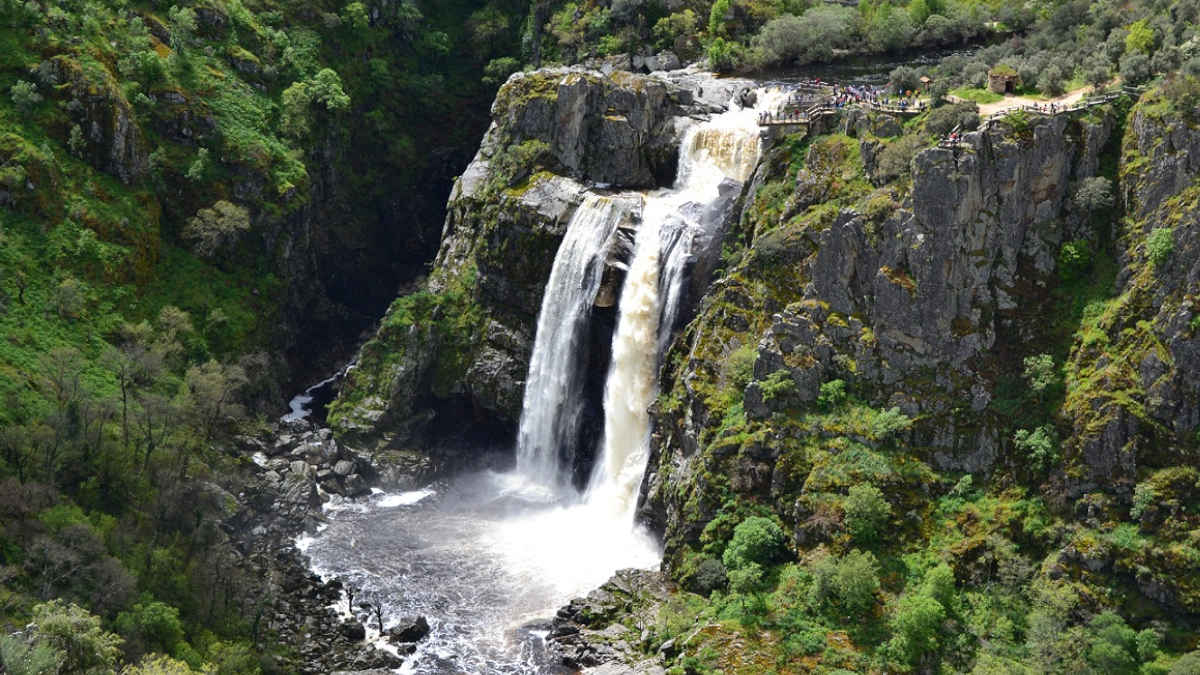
x: 673, y: 221
x: 553, y: 402
x: 488, y: 557
x: 630, y: 387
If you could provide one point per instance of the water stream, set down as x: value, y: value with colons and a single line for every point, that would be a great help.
x: 489, y: 557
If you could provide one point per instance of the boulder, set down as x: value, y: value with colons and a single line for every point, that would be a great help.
x: 409, y: 629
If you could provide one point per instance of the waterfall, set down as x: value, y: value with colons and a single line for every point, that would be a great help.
x: 680, y: 225
x: 553, y: 404
x: 631, y: 385
x: 715, y: 159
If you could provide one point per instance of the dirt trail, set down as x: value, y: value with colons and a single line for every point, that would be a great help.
x: 1014, y: 102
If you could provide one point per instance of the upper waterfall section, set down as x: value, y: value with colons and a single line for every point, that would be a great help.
x: 455, y: 354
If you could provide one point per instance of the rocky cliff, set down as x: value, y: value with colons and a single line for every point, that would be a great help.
x: 888, y: 336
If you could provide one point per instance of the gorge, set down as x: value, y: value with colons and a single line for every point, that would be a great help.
x: 721, y: 336
x: 529, y: 536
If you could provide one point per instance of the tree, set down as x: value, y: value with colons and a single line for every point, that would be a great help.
x: 199, y: 167
x: 904, y: 78
x: 675, y: 30
x: 18, y: 657
x: 216, y: 227
x: 866, y: 512
x: 1140, y: 39
x: 1135, y: 68
x: 297, y: 100
x: 210, y: 396
x: 76, y: 633
x: 756, y: 540
x: 498, y: 70
x: 154, y: 624
x: 918, y: 619
x: 1094, y: 194
x: 889, y: 29
x: 1052, y: 80
x: 159, y: 664
x: 1038, y: 445
x: 183, y: 26
x: 856, y: 582
x: 1113, y: 648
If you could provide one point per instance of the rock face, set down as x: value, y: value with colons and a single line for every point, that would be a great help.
x: 456, y: 352
x: 919, y: 305
x: 1134, y: 393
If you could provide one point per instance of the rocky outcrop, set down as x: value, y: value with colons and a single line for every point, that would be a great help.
x: 106, y: 121
x: 610, y: 630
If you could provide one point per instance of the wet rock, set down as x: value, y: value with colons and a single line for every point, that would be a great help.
x: 343, y: 467
x: 409, y: 629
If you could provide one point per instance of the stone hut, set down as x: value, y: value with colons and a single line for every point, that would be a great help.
x: 1003, y: 79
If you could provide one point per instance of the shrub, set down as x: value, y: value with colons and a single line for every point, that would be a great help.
x: 1039, y: 372
x: 1074, y: 260
x: 941, y: 121
x: 885, y: 423
x: 1159, y: 245
x: 724, y: 56
x: 738, y: 368
x: 895, y: 160
x: 832, y: 394
x: 1188, y: 664
x: 25, y: 95
x: 778, y: 385
x: 21, y: 658
x: 1143, y: 496
x: 866, y: 512
x: 1038, y: 445
x: 710, y: 576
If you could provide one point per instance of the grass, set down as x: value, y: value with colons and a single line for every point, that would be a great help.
x: 977, y: 95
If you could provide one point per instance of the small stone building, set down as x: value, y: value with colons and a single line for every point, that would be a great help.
x: 1003, y: 80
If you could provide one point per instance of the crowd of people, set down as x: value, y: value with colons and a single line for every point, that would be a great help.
x: 837, y: 96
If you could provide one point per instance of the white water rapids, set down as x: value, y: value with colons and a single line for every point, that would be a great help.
x: 489, y: 557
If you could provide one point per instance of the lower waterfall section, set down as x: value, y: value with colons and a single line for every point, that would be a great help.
x: 631, y: 385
